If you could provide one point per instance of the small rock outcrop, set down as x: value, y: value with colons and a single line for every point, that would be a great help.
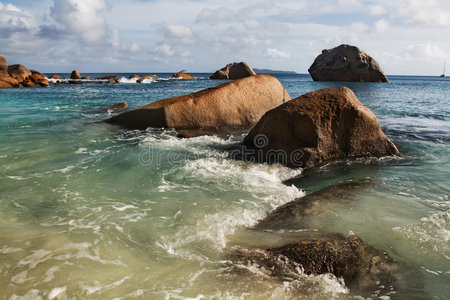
x: 55, y: 77
x: 183, y: 76
x: 324, y: 125
x: 346, y: 63
x: 234, y: 104
x: 18, y: 75
x: 233, y: 71
x: 142, y: 78
x: 75, y: 75
x: 110, y: 78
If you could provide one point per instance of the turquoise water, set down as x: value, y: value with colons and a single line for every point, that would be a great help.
x: 88, y: 210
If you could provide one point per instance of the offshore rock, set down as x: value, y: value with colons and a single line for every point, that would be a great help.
x: 346, y: 63
x: 183, y: 76
x: 233, y: 71
x: 233, y: 104
x: 323, y: 125
x: 75, y: 75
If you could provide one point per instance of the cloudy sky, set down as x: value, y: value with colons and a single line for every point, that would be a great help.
x: 405, y: 36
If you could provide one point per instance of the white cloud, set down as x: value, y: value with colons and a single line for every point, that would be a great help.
x: 81, y: 19
x: 276, y: 54
x: 381, y: 25
x: 376, y: 10
x: 424, y: 51
x: 179, y: 34
x: 430, y: 12
x: 216, y: 15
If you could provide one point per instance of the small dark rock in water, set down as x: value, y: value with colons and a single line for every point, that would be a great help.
x: 75, y: 75
x: 118, y: 106
x: 110, y: 78
x: 320, y: 126
x: 346, y: 63
x: 367, y: 271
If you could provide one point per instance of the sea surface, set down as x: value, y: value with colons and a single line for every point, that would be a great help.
x: 93, y: 211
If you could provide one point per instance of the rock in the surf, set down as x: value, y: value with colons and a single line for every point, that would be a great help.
x: 346, y: 63
x: 55, y: 77
x: 142, y: 78
x: 75, y: 74
x: 233, y: 71
x: 110, y: 78
x: 234, y: 104
x: 365, y: 269
x: 319, y: 126
x: 183, y: 76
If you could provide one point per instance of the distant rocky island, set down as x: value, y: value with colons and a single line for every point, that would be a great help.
x: 269, y: 71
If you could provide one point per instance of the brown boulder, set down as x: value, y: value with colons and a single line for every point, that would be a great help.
x: 238, y: 103
x: 3, y: 66
x: 55, y: 77
x: 86, y: 77
x: 319, y: 126
x: 134, y: 76
x: 75, y: 75
x: 19, y: 72
x: 346, y: 63
x: 233, y: 71
x: 183, y: 76
x: 39, y: 78
x: 7, y: 81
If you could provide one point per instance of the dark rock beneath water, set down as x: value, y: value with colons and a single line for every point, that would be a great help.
x: 309, y: 211
x: 346, y: 63
x: 367, y: 271
x: 319, y: 126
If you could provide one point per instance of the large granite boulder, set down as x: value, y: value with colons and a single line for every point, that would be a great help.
x: 346, y: 63
x: 18, y: 72
x: 3, y: 65
x: 319, y: 126
x: 75, y: 75
x: 233, y: 71
x: 39, y: 78
x: 233, y: 104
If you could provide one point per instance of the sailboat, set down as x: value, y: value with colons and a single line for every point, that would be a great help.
x: 443, y: 73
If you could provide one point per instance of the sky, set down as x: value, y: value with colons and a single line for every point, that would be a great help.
x: 406, y: 37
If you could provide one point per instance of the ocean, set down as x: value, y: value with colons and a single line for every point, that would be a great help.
x: 93, y: 211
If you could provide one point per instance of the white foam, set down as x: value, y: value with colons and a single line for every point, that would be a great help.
x: 81, y: 151
x: 125, y: 207
x: 56, y: 292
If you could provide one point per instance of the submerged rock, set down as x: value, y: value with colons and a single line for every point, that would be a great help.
x: 233, y: 104
x: 346, y: 63
x: 324, y: 125
x: 309, y: 211
x: 367, y: 271
x: 75, y: 75
x: 233, y: 71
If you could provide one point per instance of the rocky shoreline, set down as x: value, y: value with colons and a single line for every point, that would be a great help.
x: 305, y: 132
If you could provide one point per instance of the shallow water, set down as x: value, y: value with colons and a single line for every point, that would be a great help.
x: 88, y: 210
